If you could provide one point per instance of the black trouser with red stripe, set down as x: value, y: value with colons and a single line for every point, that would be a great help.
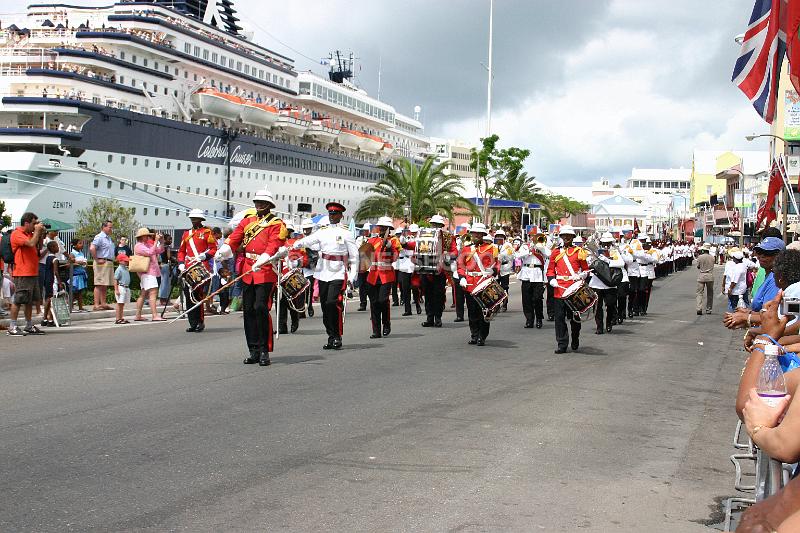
x: 478, y: 326
x: 256, y: 304
x: 407, y: 291
x: 331, y: 299
x: 195, y: 316
x: 379, y: 305
x: 460, y: 297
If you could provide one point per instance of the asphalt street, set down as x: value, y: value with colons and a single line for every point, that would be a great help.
x: 145, y: 427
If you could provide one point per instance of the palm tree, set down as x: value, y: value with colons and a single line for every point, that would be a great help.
x: 518, y: 187
x: 426, y: 188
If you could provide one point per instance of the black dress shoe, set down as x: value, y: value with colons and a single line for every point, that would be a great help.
x: 644, y: 313
x: 191, y: 329
x: 473, y: 341
x: 599, y: 331
x: 459, y: 319
x: 337, y: 343
x: 538, y: 323
x: 263, y: 359
x: 609, y: 329
x: 550, y: 318
x: 310, y: 311
x: 407, y: 313
x: 396, y: 304
x: 427, y: 324
x: 419, y: 310
x: 481, y: 341
x: 438, y: 323
x: 200, y: 327
x: 375, y: 336
x: 560, y: 350
x: 630, y: 315
x: 329, y: 345
x: 362, y: 308
x: 528, y: 324
x: 294, y: 327
x: 700, y: 313
x: 251, y: 359
x: 387, y: 330
x: 283, y: 331
x: 620, y: 321
x: 575, y: 344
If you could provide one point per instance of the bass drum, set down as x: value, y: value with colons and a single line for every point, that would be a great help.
x: 195, y: 278
x: 294, y: 285
x: 428, y: 250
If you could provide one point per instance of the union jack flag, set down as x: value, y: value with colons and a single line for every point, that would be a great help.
x: 758, y: 67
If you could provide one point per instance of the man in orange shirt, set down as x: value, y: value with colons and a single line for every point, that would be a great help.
x: 567, y: 266
x: 26, y: 240
x: 381, y: 276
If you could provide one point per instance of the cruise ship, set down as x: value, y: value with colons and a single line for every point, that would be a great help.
x: 169, y: 106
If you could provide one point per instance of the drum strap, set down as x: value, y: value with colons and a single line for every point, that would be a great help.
x: 565, y: 257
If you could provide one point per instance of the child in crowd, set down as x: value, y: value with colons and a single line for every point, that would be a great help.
x: 122, y: 287
x: 51, y: 281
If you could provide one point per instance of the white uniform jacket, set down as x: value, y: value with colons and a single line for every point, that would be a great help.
x: 338, y: 253
x: 533, y: 267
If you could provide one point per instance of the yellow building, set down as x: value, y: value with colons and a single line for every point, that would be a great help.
x: 707, y: 164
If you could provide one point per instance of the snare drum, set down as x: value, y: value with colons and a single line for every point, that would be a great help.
x: 428, y: 250
x: 194, y: 278
x: 490, y: 296
x: 580, y: 298
x: 294, y: 285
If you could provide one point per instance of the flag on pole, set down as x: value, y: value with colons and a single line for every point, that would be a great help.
x: 635, y: 228
x: 768, y: 210
x: 758, y: 67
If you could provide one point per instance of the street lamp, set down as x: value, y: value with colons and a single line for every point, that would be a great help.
x: 754, y: 137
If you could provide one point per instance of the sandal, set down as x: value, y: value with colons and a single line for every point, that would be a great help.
x: 159, y: 319
x: 140, y: 319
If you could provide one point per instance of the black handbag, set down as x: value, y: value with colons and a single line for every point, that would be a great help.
x: 611, y: 277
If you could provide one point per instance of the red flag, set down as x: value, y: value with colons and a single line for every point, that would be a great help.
x: 767, y: 212
x: 635, y: 228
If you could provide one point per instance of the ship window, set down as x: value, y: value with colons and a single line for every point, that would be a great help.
x: 108, y: 184
x: 216, y: 192
x: 168, y: 187
x: 185, y: 74
x: 144, y: 61
x: 197, y: 51
x: 121, y: 185
x: 144, y: 211
x: 133, y: 58
x: 187, y: 48
x: 158, y: 163
x: 147, y: 162
x: 205, y: 54
x: 96, y: 183
x: 135, y: 160
x: 166, y: 212
x: 214, y: 57
x: 208, y: 170
x: 238, y: 65
x: 156, y: 211
x: 216, y: 170
x: 188, y: 169
x: 230, y: 62
x: 122, y: 159
x: 178, y: 188
x: 169, y: 164
x: 248, y: 195
x: 246, y: 68
x: 215, y: 212
x: 206, y: 192
x: 223, y: 60
x: 110, y: 158
x: 240, y: 194
x: 179, y: 166
x: 133, y: 212
x: 197, y: 190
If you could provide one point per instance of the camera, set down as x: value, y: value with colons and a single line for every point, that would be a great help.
x: 47, y: 226
x: 790, y: 306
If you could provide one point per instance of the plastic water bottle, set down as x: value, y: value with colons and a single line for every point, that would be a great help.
x: 771, y: 386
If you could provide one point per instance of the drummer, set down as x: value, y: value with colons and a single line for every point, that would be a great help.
x: 567, y: 267
x: 477, y: 262
x: 297, y: 259
x: 198, y: 245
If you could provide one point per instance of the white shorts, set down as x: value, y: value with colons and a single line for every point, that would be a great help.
x: 148, y: 281
x: 124, y: 295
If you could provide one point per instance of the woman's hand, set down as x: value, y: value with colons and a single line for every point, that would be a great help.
x: 770, y: 323
x: 757, y: 413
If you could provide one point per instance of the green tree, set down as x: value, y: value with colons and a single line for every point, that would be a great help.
x: 492, y: 164
x: 101, y: 209
x: 556, y: 206
x: 426, y: 188
x: 5, y: 219
x: 518, y: 187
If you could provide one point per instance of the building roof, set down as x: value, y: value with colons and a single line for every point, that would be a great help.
x: 661, y: 173
x: 618, y: 205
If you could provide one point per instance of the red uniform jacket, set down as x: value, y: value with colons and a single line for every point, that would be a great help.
x: 203, y: 240
x: 270, y: 234
x: 381, y: 267
x: 468, y: 267
x: 297, y: 258
x: 558, y: 267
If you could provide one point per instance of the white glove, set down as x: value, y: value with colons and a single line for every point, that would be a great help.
x: 261, y: 261
x: 554, y: 283
x: 181, y: 267
x: 201, y: 256
x: 223, y: 252
x: 463, y: 283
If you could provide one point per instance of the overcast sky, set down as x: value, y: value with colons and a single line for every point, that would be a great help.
x: 592, y: 87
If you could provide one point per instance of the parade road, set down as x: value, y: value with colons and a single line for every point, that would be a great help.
x: 148, y: 427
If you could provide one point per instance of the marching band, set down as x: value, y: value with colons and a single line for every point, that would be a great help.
x: 608, y: 275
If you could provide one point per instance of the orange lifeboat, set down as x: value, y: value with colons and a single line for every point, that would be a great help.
x: 323, y: 131
x: 259, y: 114
x: 372, y: 143
x: 217, y: 104
x: 350, y: 139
